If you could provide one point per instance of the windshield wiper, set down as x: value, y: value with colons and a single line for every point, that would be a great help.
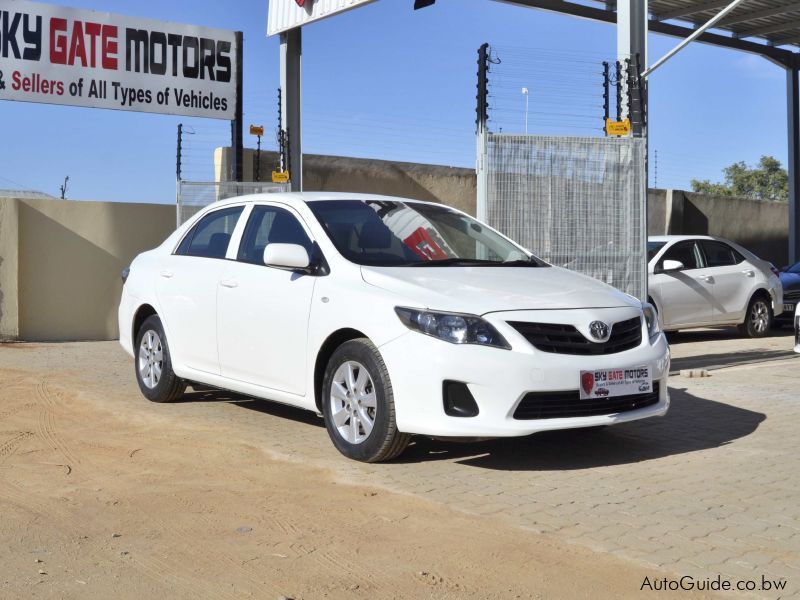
x: 473, y: 262
x: 459, y: 262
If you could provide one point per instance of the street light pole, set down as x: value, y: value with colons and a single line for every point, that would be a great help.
x: 527, y: 95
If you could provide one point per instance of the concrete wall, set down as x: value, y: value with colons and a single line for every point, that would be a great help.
x: 69, y: 255
x: 453, y: 186
x: 760, y: 226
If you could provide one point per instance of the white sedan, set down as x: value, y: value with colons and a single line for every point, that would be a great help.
x: 390, y: 317
x: 702, y: 281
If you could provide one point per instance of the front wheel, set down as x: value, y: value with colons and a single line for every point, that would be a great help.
x: 758, y: 320
x: 358, y: 404
x: 154, y: 373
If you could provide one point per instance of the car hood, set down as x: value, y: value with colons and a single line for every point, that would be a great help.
x: 480, y: 290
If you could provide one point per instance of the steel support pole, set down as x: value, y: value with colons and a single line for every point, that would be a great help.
x: 632, y: 26
x: 237, y: 125
x: 793, y: 128
x: 631, y: 40
x: 291, y: 102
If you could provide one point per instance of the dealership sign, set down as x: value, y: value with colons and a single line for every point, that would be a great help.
x: 60, y: 55
x: 288, y: 14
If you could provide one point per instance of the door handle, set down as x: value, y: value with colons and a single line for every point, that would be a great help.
x: 749, y: 273
x: 706, y: 278
x: 229, y: 283
x: 166, y: 274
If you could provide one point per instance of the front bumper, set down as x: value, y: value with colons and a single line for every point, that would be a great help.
x: 797, y: 329
x: 499, y: 379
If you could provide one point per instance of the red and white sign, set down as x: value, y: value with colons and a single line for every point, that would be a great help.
x: 615, y: 382
x: 61, y: 55
x: 288, y: 14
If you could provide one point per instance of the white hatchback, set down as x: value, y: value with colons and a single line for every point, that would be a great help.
x: 702, y: 281
x: 390, y: 317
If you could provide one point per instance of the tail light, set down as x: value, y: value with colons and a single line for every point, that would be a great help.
x: 774, y: 270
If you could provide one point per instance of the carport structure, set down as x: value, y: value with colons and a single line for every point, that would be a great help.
x: 769, y: 28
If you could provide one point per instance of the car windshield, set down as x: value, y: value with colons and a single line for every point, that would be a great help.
x: 390, y: 233
x: 653, y: 248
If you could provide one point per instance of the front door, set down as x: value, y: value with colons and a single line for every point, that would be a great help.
x: 687, y: 296
x: 263, y: 311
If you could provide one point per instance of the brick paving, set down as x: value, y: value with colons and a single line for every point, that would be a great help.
x: 712, y: 488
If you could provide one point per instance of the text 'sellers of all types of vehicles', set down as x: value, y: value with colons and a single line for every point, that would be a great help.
x: 702, y: 281
x: 390, y: 317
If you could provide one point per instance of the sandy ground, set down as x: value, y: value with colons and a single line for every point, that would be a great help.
x: 107, y: 499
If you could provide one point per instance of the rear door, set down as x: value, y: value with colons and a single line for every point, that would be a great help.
x: 687, y: 296
x: 734, y: 279
x: 187, y: 289
x: 264, y: 311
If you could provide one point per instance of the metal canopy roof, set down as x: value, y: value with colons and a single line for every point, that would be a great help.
x: 767, y: 27
x: 776, y: 22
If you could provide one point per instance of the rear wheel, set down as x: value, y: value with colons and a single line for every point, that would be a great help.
x: 358, y: 404
x: 153, y: 363
x: 758, y: 320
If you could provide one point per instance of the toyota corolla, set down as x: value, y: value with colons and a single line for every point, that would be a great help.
x: 390, y: 317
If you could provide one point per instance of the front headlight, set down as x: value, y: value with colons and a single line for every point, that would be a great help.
x: 651, y: 318
x: 455, y: 328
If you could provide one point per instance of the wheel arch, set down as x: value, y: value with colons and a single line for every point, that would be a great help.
x: 761, y: 292
x: 142, y: 313
x: 326, y: 350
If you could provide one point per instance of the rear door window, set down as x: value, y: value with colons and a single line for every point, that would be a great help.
x: 212, y: 234
x: 719, y: 254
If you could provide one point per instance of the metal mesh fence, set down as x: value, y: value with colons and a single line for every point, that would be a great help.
x: 193, y: 196
x: 578, y: 203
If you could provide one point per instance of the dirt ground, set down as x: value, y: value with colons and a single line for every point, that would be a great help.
x: 104, y: 498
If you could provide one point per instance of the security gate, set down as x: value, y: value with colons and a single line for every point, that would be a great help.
x: 576, y: 202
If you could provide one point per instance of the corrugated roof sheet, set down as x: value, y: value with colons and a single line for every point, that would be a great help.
x: 775, y: 21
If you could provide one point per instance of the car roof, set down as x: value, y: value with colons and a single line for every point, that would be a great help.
x: 295, y: 198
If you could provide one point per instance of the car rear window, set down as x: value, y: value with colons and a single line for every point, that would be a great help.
x: 212, y: 234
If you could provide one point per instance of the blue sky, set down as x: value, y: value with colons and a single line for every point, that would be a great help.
x: 387, y: 82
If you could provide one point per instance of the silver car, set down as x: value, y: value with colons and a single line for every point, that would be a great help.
x: 702, y: 281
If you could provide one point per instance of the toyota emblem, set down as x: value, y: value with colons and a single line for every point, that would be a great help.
x: 599, y: 330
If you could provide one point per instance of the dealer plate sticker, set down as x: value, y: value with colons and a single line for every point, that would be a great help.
x: 615, y: 382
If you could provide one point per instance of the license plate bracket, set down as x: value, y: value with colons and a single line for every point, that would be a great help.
x: 611, y: 383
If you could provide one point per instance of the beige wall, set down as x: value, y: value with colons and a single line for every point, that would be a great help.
x: 9, y: 253
x: 70, y: 255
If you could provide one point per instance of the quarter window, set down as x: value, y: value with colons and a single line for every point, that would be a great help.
x: 211, y: 236
x: 720, y: 255
x: 271, y: 225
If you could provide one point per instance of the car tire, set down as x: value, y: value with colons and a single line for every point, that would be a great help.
x: 153, y: 364
x: 758, y: 320
x: 358, y: 404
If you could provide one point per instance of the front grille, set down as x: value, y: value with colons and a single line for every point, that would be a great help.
x: 791, y: 295
x: 565, y: 339
x: 558, y: 405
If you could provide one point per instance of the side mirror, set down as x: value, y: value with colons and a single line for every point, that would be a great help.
x: 286, y: 256
x: 672, y: 265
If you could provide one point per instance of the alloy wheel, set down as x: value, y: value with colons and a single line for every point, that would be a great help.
x: 759, y: 316
x: 151, y: 359
x: 353, y: 402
